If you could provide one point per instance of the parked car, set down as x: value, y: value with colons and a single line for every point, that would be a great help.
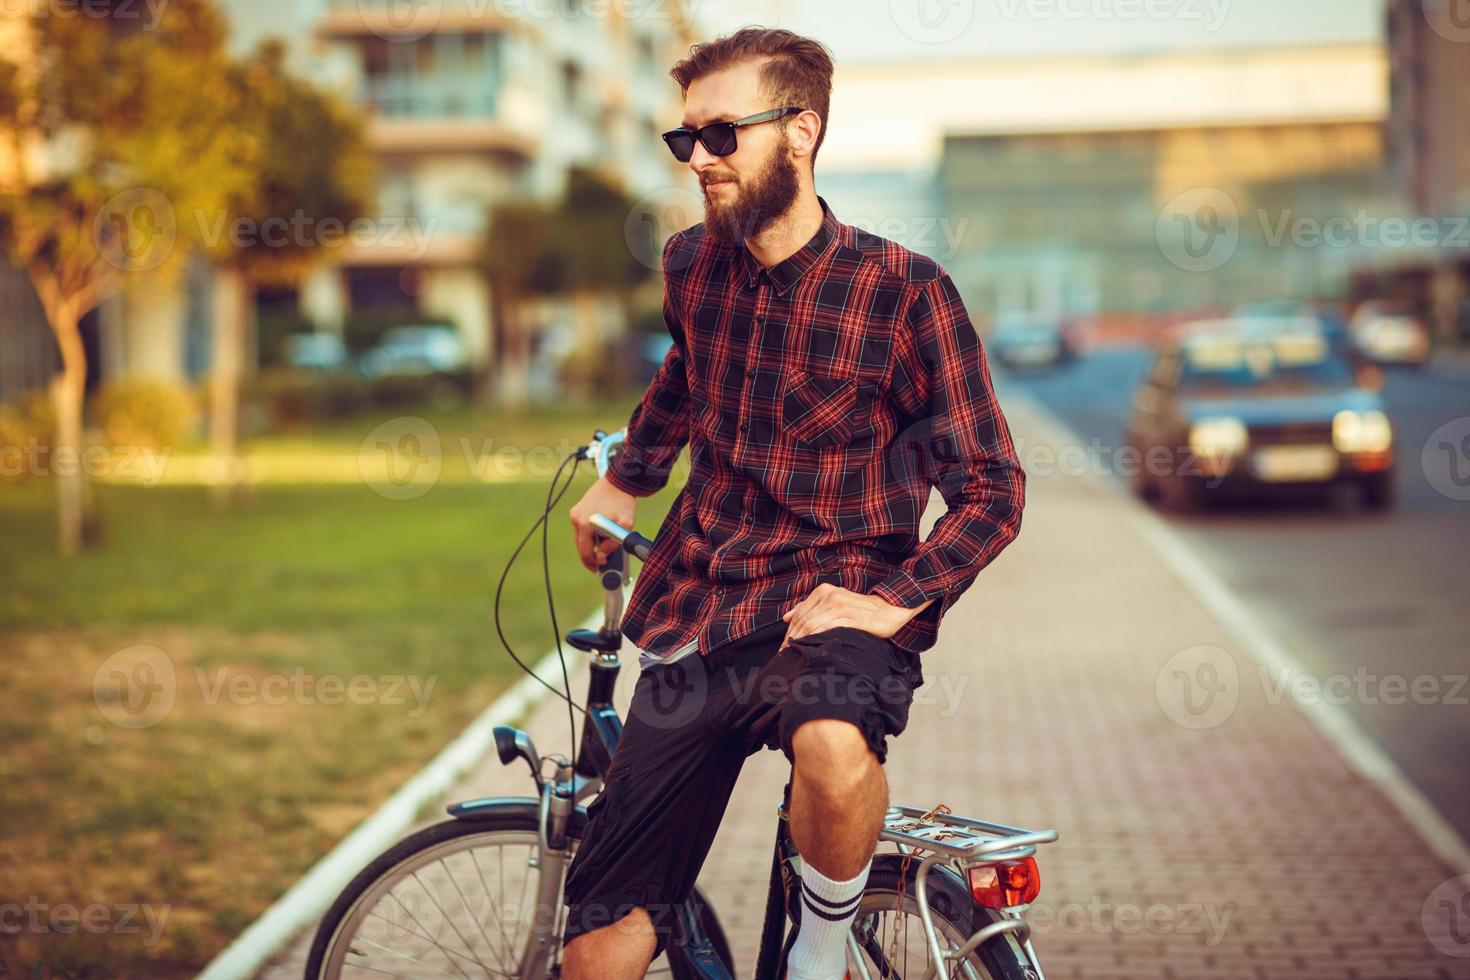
x: 416, y: 350
x: 316, y: 351
x: 1387, y: 334
x: 1022, y: 341
x: 1257, y: 404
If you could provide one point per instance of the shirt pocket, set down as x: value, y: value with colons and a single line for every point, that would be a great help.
x: 817, y: 410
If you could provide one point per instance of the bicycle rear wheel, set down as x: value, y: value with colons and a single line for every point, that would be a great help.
x: 890, y: 937
x: 455, y: 899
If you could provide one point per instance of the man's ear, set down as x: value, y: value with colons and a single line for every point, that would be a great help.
x: 804, y: 131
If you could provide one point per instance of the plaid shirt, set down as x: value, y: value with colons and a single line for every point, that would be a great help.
x: 821, y: 400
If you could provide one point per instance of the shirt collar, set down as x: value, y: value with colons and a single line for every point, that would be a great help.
x: 784, y: 274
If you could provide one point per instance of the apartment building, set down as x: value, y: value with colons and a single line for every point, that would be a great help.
x: 470, y: 102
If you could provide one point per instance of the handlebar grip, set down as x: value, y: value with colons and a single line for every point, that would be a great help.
x: 632, y: 542
x: 638, y: 545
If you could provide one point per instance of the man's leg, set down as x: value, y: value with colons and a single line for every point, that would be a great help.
x: 850, y: 690
x: 838, y: 797
x: 651, y: 828
x: 620, y: 951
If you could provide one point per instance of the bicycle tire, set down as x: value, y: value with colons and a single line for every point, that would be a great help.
x: 1001, y: 958
x: 517, y: 817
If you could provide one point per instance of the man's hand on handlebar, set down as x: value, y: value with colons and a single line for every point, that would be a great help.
x: 601, y: 498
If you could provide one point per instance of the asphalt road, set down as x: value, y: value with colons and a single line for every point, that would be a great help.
x: 1375, y: 606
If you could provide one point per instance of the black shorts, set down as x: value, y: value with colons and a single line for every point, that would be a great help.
x: 689, y: 730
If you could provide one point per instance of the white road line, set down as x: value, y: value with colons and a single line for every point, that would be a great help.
x: 306, y: 900
x: 1333, y: 721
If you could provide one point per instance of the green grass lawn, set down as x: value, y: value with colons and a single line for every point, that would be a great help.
x: 246, y: 619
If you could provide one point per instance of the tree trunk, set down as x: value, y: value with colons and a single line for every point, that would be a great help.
x: 68, y: 391
x: 227, y: 359
x: 514, y: 370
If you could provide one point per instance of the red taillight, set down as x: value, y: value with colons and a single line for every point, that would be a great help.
x: 1005, y: 884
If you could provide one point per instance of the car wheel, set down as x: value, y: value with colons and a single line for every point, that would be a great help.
x: 1378, y: 492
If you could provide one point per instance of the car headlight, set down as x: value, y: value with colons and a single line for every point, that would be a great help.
x: 1361, y: 432
x: 1218, y: 437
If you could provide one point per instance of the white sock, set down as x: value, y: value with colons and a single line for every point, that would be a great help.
x: 827, y: 910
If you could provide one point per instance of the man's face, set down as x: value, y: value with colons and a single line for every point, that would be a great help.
x: 752, y: 187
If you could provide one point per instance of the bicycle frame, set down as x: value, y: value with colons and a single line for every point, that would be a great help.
x: 936, y: 837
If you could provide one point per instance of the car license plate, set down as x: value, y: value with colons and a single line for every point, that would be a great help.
x: 1285, y: 464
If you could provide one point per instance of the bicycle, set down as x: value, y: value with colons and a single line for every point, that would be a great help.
x: 966, y: 881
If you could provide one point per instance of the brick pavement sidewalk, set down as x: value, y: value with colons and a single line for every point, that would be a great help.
x: 1244, y: 850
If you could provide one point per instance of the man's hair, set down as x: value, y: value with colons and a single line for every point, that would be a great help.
x: 796, y: 70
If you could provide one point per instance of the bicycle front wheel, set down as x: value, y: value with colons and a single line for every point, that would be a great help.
x: 889, y: 934
x: 455, y: 899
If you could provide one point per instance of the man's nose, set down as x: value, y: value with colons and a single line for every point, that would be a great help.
x: 702, y: 159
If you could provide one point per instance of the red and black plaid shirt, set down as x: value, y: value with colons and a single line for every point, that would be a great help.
x: 821, y: 400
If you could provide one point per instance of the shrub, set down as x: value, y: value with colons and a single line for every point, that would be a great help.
x: 292, y: 397
x: 152, y: 414
x: 27, y: 429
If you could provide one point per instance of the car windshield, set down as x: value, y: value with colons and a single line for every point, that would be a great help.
x: 1296, y: 357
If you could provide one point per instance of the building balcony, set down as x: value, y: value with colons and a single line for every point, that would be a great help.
x: 463, y: 113
x: 348, y: 19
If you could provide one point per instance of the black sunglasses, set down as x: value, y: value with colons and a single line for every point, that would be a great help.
x: 717, y: 137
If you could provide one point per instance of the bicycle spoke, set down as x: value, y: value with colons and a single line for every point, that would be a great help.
x: 432, y: 942
x: 394, y: 952
x: 468, y: 911
x: 499, y: 921
x: 430, y: 895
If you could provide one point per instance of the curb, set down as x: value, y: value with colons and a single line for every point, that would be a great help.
x: 1333, y: 723
x: 306, y: 901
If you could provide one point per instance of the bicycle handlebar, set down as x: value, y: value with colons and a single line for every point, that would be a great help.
x: 632, y: 542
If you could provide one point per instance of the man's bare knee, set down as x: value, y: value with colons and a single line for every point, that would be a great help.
x: 617, y: 950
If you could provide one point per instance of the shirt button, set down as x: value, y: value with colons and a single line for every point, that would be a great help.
x: 744, y: 426
x: 760, y: 318
x: 750, y: 373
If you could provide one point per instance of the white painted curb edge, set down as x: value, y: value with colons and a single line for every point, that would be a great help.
x: 306, y: 900
x: 1332, y: 721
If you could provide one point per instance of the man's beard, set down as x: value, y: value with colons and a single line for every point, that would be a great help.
x: 768, y: 196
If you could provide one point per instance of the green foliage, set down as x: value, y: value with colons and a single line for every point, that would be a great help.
x: 27, y: 431
x: 145, y: 414
x: 143, y: 114
x: 314, y: 170
x: 293, y: 397
x: 580, y: 244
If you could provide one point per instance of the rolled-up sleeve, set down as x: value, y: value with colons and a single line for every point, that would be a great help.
x: 943, y: 384
x: 659, y: 425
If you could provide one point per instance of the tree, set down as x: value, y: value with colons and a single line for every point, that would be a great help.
x: 579, y: 248
x: 313, y: 181
x: 117, y: 137
x: 517, y: 260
